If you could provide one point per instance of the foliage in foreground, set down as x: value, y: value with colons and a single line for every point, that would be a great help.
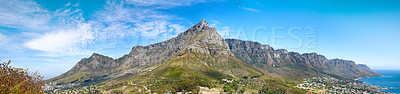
x: 19, y: 80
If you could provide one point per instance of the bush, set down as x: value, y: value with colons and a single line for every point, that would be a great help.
x: 116, y: 92
x: 183, y: 85
x: 229, y: 89
x: 242, y: 90
x: 19, y: 80
x: 269, y: 90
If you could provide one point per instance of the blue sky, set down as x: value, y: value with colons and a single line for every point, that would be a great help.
x: 50, y: 36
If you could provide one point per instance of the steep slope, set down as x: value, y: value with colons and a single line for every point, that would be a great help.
x: 141, y: 57
x: 293, y: 64
x: 205, y: 58
x: 364, y: 66
x: 275, y: 61
x: 90, y: 70
x: 197, y: 57
x: 205, y: 50
x: 347, y: 68
x: 201, y: 57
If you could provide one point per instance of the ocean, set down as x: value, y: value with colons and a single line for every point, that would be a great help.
x: 390, y: 80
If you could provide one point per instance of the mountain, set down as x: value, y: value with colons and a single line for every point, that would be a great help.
x: 94, y: 69
x: 141, y: 57
x: 197, y: 57
x: 293, y: 64
x: 200, y: 57
x: 364, y: 66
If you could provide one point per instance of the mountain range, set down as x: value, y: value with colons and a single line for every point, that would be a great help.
x: 200, y: 57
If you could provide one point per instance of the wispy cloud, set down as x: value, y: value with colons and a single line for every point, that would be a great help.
x: 164, y: 3
x: 66, y: 32
x: 69, y: 41
x: 250, y: 9
x: 137, y: 17
x: 224, y: 31
x: 3, y: 40
x: 214, y: 23
x: 23, y: 14
x: 9, y: 45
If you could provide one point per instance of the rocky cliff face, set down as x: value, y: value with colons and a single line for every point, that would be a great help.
x: 293, y: 64
x: 274, y: 61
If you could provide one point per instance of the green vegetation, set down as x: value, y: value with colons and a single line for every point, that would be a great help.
x: 271, y: 90
x: 180, y: 86
x: 176, y: 73
x: 241, y: 91
x: 231, y: 87
x: 116, y: 92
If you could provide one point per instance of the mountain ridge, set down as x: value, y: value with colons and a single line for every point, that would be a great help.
x: 255, y: 53
x: 201, y: 53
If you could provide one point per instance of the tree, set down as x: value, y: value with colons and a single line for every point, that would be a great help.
x: 19, y: 80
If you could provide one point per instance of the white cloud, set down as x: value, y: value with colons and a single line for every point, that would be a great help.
x: 151, y: 29
x: 3, y: 40
x: 214, y: 23
x: 127, y: 13
x: 23, y: 14
x: 66, y: 32
x: 164, y: 3
x: 63, y: 42
x: 131, y: 18
x: 9, y: 45
x: 176, y: 28
x: 160, y: 28
x: 66, y: 5
x: 77, y: 4
x: 250, y: 9
x: 224, y: 31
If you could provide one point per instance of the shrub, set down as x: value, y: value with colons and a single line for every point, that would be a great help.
x: 19, y: 80
x: 229, y: 89
x: 242, y: 90
x: 270, y: 90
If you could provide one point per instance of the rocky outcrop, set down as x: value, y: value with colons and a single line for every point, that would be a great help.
x: 364, y: 66
x: 293, y: 64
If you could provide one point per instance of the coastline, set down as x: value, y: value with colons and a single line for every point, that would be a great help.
x: 379, y: 88
x: 367, y: 77
x: 384, y: 81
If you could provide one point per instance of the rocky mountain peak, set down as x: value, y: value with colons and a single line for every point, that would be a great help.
x: 203, y: 25
x: 94, y: 55
x: 205, y: 39
x: 99, y: 56
x: 203, y: 22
